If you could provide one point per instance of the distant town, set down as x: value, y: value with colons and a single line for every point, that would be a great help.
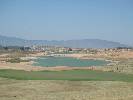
x: 61, y: 50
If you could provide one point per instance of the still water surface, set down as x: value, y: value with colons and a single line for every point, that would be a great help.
x: 67, y: 61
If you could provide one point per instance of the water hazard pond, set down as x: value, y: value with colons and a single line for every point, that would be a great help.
x: 67, y: 61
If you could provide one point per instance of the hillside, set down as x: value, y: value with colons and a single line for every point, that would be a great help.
x: 84, y: 43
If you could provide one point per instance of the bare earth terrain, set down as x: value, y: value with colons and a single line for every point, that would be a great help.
x: 125, y: 59
x: 64, y: 90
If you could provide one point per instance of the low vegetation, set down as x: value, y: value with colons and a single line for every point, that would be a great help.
x: 74, y: 75
x: 16, y: 60
x: 11, y: 89
x: 123, y: 66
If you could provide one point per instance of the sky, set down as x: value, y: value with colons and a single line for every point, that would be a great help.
x: 68, y: 19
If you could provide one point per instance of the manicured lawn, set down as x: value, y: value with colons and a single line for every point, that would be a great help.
x: 73, y: 75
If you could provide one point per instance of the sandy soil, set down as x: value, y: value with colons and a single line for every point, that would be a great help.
x: 29, y: 67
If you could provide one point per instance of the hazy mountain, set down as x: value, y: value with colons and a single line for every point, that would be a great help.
x: 84, y: 43
x: 11, y: 41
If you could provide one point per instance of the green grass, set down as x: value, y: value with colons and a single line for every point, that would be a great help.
x: 73, y: 75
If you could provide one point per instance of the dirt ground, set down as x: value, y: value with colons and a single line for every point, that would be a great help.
x: 125, y: 66
x: 64, y: 90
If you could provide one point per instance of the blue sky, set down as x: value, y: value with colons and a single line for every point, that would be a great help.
x: 68, y: 19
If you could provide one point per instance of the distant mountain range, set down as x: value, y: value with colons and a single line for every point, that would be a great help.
x: 84, y: 43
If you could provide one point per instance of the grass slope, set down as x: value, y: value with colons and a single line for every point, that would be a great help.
x: 66, y: 75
